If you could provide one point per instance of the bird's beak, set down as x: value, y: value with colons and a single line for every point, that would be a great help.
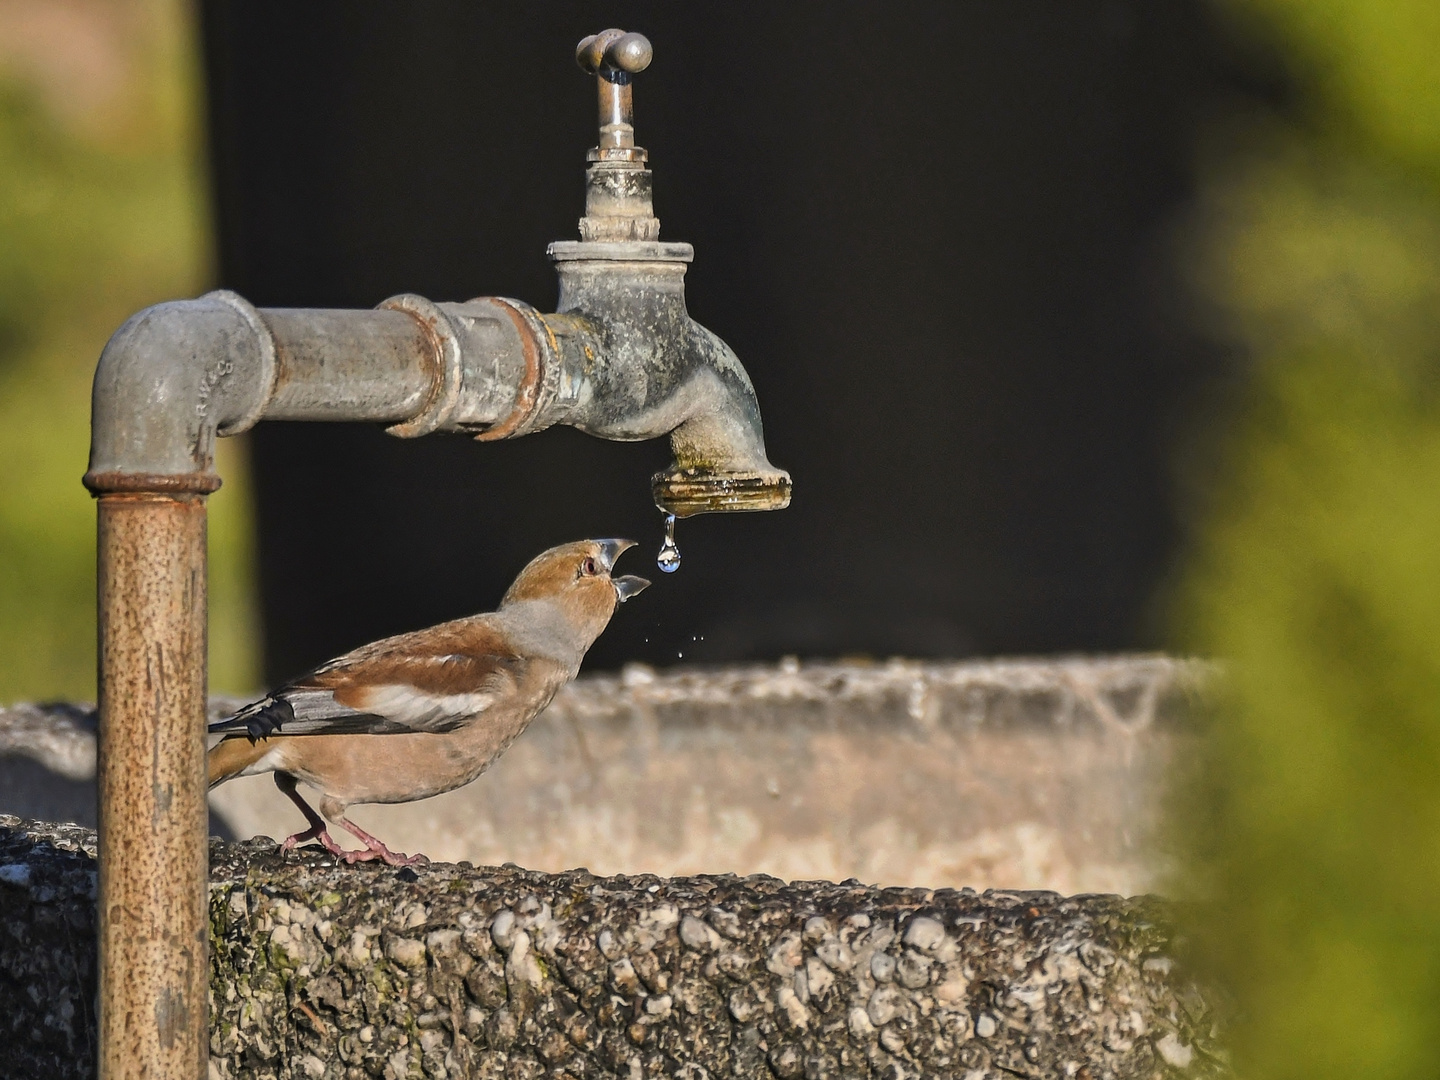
x: 628, y: 585
x: 610, y: 550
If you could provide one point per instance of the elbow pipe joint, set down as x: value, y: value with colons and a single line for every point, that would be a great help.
x: 170, y: 379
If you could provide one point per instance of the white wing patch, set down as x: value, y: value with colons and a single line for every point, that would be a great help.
x: 415, y: 709
x: 389, y: 708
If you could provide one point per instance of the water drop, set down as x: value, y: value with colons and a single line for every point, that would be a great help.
x: 669, y: 558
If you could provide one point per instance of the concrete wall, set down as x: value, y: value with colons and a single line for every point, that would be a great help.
x: 1007, y: 774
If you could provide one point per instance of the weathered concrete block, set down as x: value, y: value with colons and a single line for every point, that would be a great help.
x: 1041, y: 773
x: 324, y: 971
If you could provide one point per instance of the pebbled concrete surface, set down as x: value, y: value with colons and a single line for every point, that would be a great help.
x: 324, y: 971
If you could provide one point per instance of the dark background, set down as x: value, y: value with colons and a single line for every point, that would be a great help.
x: 937, y: 235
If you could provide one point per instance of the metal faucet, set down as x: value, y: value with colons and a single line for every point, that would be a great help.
x: 621, y: 359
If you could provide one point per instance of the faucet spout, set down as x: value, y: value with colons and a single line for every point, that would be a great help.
x: 637, y: 367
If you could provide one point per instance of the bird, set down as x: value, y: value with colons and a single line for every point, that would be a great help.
x: 425, y: 712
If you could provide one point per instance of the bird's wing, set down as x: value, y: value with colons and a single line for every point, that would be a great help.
x: 400, y: 685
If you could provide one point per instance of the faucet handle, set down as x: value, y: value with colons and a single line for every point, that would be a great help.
x: 615, y: 51
x: 613, y: 56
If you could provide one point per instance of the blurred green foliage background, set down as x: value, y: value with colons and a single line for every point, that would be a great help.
x: 1313, y: 824
x: 102, y: 212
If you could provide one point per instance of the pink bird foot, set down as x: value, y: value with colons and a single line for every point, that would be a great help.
x: 321, y: 834
x: 375, y: 849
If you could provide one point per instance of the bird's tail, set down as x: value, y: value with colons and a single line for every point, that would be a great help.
x: 230, y: 757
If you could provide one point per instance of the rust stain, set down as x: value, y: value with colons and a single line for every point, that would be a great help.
x: 692, y: 492
x: 528, y: 391
x: 445, y: 363
x: 104, y: 483
x: 434, y: 358
x: 152, y: 614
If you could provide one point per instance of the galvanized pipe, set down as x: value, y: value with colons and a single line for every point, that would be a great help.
x: 366, y: 365
x: 178, y: 374
x: 152, y: 910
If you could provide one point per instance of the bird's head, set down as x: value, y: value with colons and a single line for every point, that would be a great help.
x: 576, y: 578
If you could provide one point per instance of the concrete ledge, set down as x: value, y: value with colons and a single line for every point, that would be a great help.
x: 328, y: 972
x: 1041, y: 773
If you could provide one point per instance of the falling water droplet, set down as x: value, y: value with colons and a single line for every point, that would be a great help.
x: 669, y: 558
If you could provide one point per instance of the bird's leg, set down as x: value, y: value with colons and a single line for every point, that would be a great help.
x: 374, y: 849
x: 317, y: 831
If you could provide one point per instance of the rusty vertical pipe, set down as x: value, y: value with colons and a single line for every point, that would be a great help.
x: 153, y: 858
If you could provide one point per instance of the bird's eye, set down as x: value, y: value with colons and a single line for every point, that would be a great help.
x: 588, y: 568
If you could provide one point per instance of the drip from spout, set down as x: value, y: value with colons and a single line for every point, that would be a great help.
x: 669, y: 558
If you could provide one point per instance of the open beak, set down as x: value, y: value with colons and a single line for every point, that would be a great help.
x: 628, y: 585
x: 610, y: 550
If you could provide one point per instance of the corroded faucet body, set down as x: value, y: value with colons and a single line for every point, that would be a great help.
x: 636, y: 366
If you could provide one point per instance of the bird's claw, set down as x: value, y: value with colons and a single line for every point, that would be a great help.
x: 375, y: 848
x: 381, y: 852
x: 365, y: 854
x: 326, y: 841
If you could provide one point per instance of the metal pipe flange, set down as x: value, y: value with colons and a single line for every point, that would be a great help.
x: 265, y: 377
x: 538, y: 386
x: 449, y: 373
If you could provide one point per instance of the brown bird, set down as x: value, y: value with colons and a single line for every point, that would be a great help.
x: 426, y: 712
